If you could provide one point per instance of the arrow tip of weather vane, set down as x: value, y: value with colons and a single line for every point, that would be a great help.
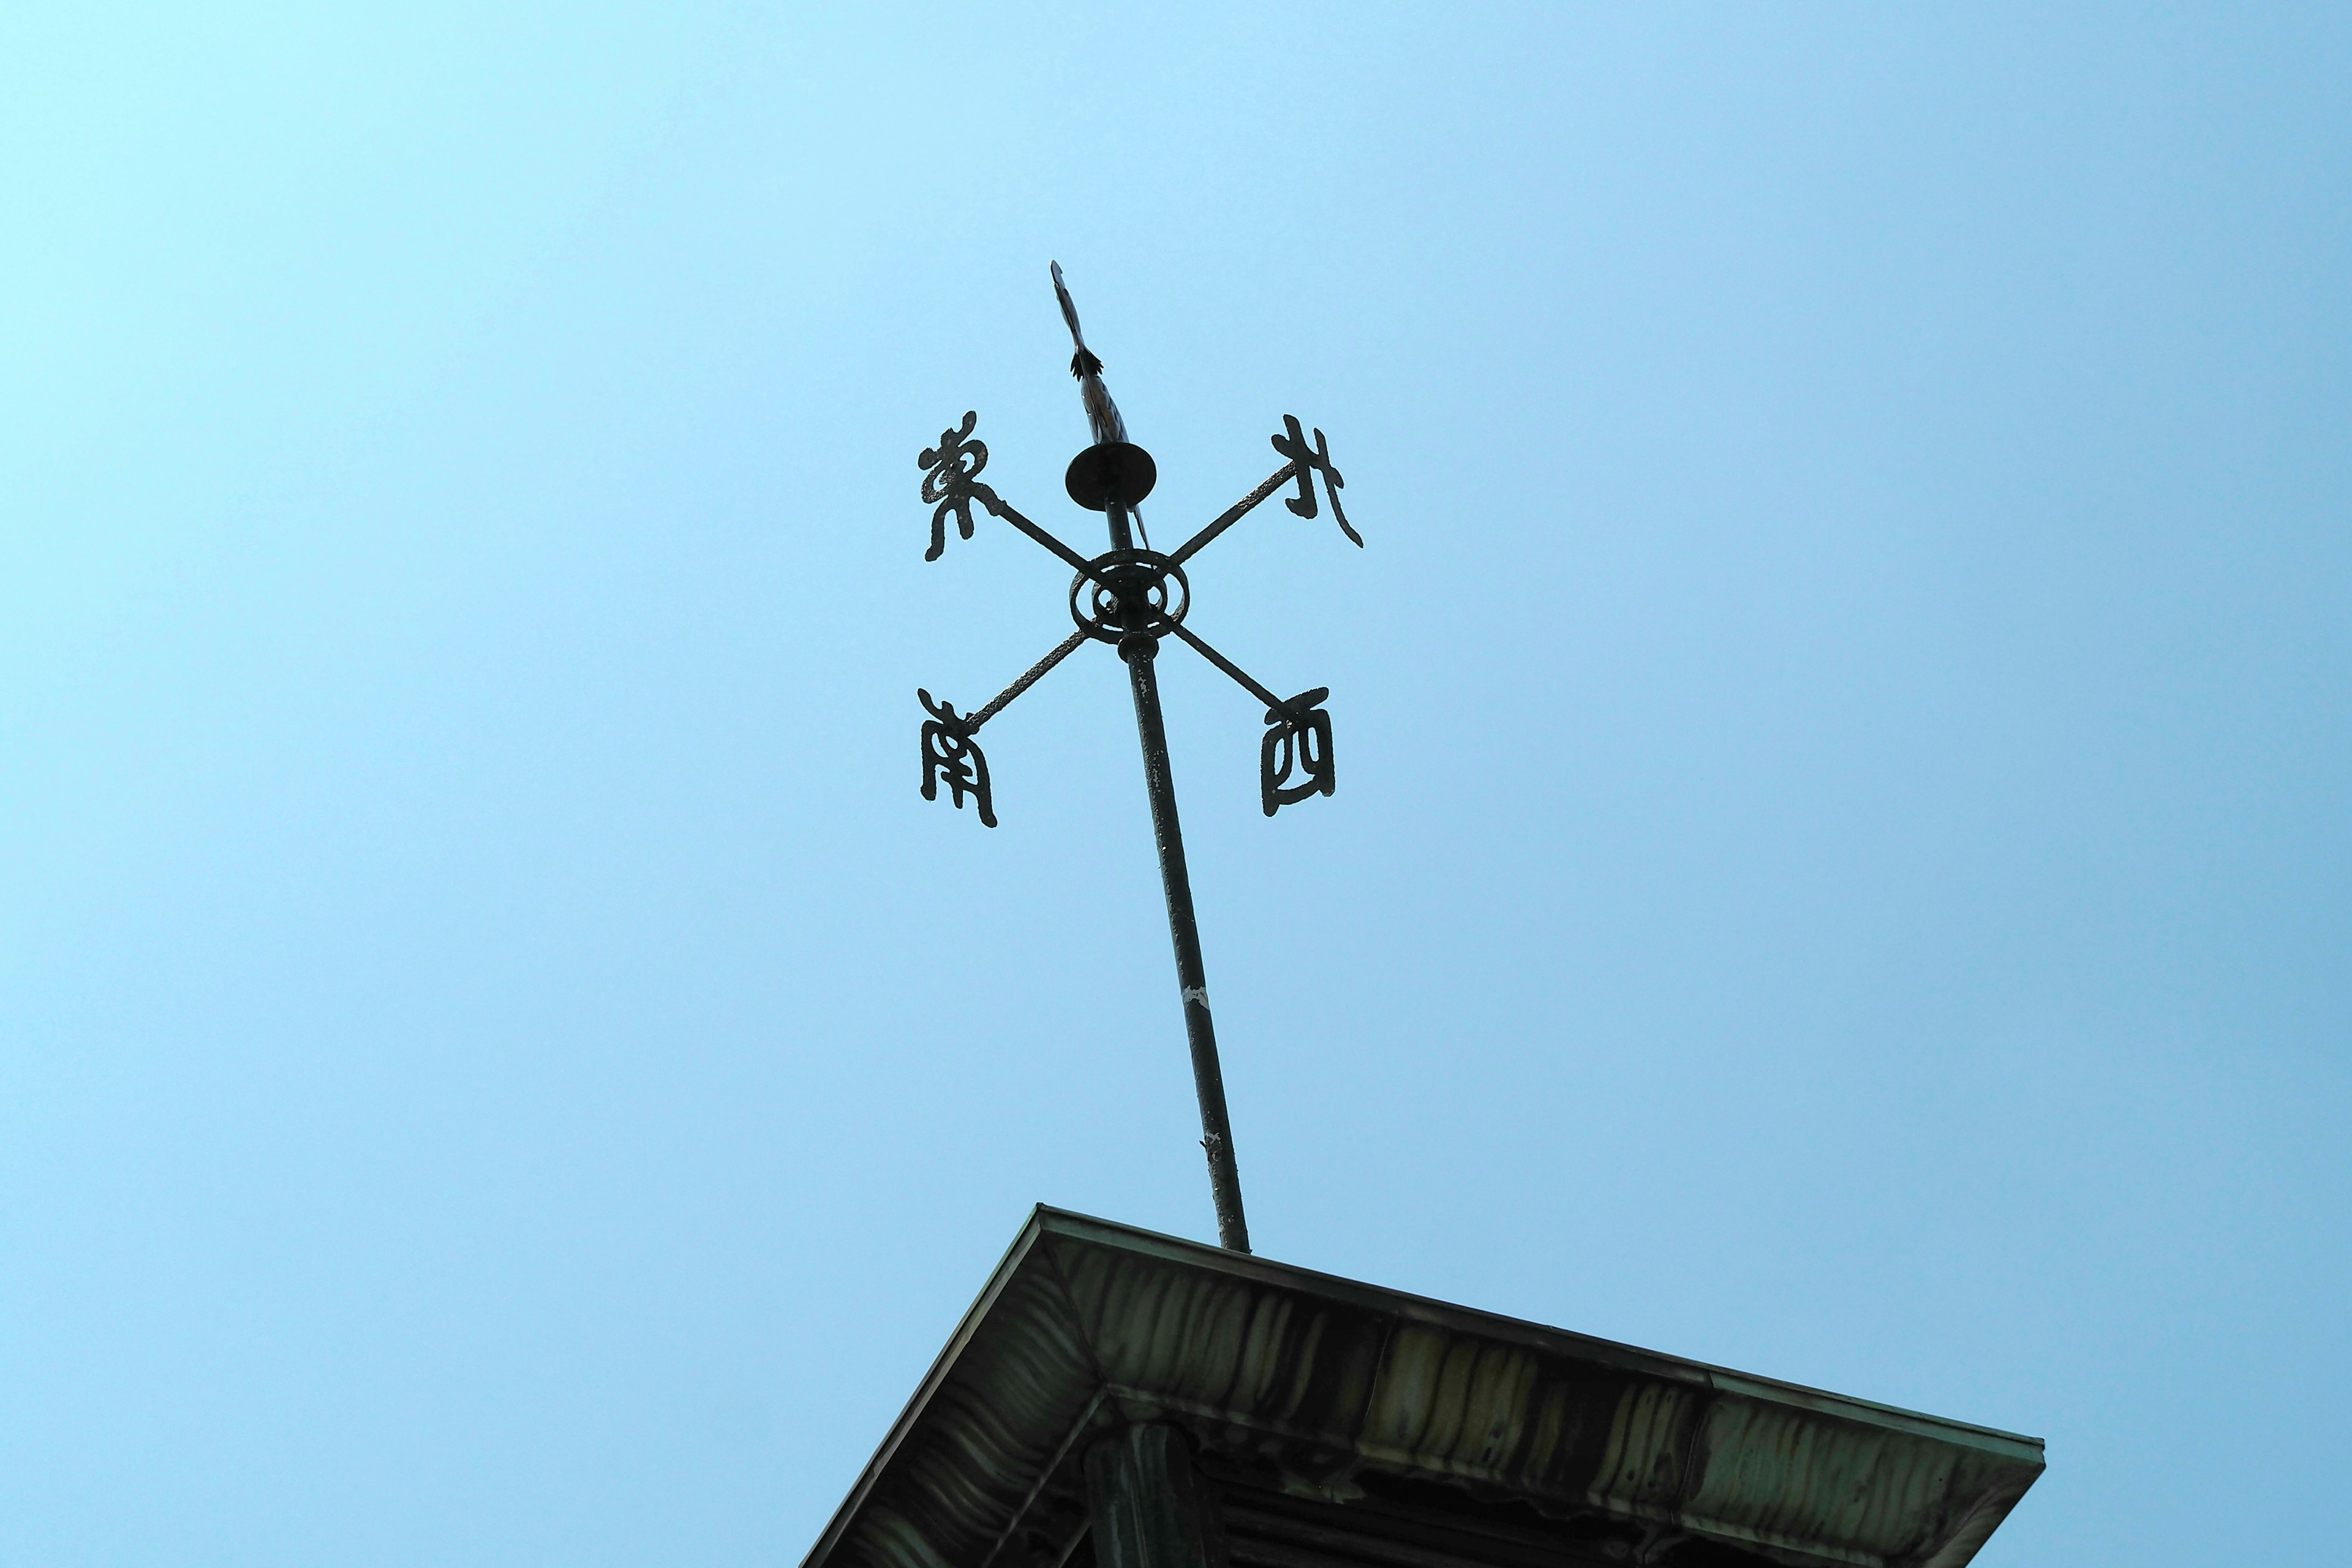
x: 1069, y: 308
x: 1102, y: 414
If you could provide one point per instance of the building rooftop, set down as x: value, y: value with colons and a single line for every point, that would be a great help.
x: 1338, y: 1424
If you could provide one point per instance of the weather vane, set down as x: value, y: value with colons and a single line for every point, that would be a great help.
x: 1132, y: 598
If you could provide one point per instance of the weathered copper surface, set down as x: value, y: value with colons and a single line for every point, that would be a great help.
x: 1330, y: 1385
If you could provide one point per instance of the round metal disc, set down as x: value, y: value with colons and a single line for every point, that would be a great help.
x: 1110, y: 471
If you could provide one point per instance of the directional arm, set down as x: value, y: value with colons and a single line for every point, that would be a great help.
x: 1228, y: 666
x: 951, y: 756
x: 1304, y: 463
x: 1234, y: 513
x: 999, y: 509
x: 1035, y: 672
x: 952, y: 481
x: 1297, y: 737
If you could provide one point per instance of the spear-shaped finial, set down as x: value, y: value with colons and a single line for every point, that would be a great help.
x: 1102, y: 413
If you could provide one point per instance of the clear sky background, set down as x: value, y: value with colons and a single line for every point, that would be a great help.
x: 1840, y: 863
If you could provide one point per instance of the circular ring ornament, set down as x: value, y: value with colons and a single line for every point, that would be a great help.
x: 1100, y: 594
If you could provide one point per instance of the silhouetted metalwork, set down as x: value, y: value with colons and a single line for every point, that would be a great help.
x: 1297, y: 740
x: 949, y: 753
x: 1304, y: 462
x: 1133, y: 598
x: 949, y: 477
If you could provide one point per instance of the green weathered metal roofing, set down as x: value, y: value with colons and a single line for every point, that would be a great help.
x: 1087, y: 1324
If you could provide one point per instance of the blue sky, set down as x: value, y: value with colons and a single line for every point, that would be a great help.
x: 1840, y: 864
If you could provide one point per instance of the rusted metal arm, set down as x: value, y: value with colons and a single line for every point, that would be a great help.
x: 1229, y: 667
x: 998, y: 507
x: 1234, y: 513
x: 1037, y: 672
x: 1306, y: 462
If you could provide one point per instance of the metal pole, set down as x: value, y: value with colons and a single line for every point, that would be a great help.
x: 1138, y: 649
